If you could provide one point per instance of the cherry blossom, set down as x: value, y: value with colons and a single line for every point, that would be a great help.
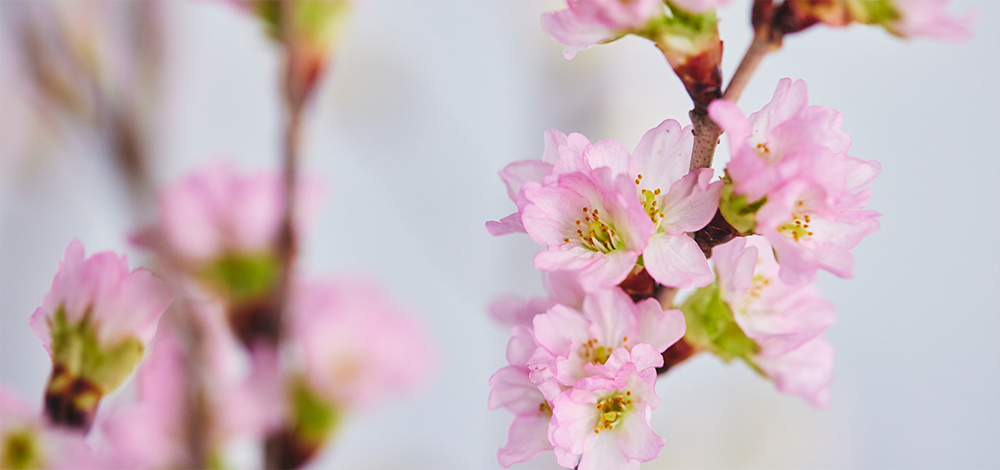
x: 28, y: 441
x: 358, y: 347
x: 790, y: 159
x: 602, y: 422
x: 574, y: 346
x: 586, y: 23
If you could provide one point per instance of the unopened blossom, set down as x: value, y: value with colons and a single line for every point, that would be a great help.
x: 603, y: 421
x: 574, y: 346
x: 358, y: 347
x: 791, y: 180
x: 28, y: 441
x: 95, y: 322
x: 586, y: 23
x: 512, y: 388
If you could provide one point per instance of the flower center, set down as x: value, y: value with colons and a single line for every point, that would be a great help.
x: 648, y: 199
x: 765, y: 153
x: 611, y: 410
x: 595, y: 234
x: 593, y: 352
x: 798, y: 227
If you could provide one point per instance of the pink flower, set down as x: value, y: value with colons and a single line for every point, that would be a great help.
x: 786, y: 322
x: 574, y: 346
x: 651, y: 218
x: 677, y: 201
x: 357, y: 346
x: 779, y: 317
x: 929, y: 18
x: 589, y: 22
x: 591, y: 223
x: 100, y: 296
x: 806, y: 371
x: 807, y: 234
x: 794, y: 155
x: 216, y: 211
x: 786, y: 139
x: 603, y: 421
x: 512, y: 389
x: 28, y: 441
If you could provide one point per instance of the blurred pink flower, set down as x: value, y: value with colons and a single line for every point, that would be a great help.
x: 116, y: 304
x: 586, y: 23
x: 929, y: 18
x: 28, y: 441
x: 215, y: 211
x: 806, y: 371
x: 357, y: 346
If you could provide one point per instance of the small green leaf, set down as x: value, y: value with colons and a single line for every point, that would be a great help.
x: 243, y: 276
x: 740, y: 213
x: 315, y: 419
x: 710, y: 324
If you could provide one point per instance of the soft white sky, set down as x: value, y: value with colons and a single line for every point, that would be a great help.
x: 429, y: 99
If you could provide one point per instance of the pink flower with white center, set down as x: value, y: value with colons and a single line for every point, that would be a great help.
x: 574, y: 346
x: 117, y: 304
x: 216, y: 211
x: 28, y: 441
x: 591, y: 223
x: 603, y: 421
x: 512, y: 389
x: 806, y: 371
x: 586, y: 23
x: 562, y: 288
x: 358, y: 348
x: 779, y: 317
x: 929, y: 18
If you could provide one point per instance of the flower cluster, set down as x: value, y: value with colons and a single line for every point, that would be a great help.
x: 583, y: 362
x: 581, y: 381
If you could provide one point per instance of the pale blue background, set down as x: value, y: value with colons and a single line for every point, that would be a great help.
x: 429, y: 99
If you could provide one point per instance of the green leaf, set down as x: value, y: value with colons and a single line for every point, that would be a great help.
x: 243, y: 276
x: 315, y: 419
x: 710, y: 324
x: 740, y: 213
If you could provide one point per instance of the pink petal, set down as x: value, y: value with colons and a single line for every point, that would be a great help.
x: 676, y: 261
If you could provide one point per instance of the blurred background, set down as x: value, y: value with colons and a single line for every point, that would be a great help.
x: 425, y: 102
